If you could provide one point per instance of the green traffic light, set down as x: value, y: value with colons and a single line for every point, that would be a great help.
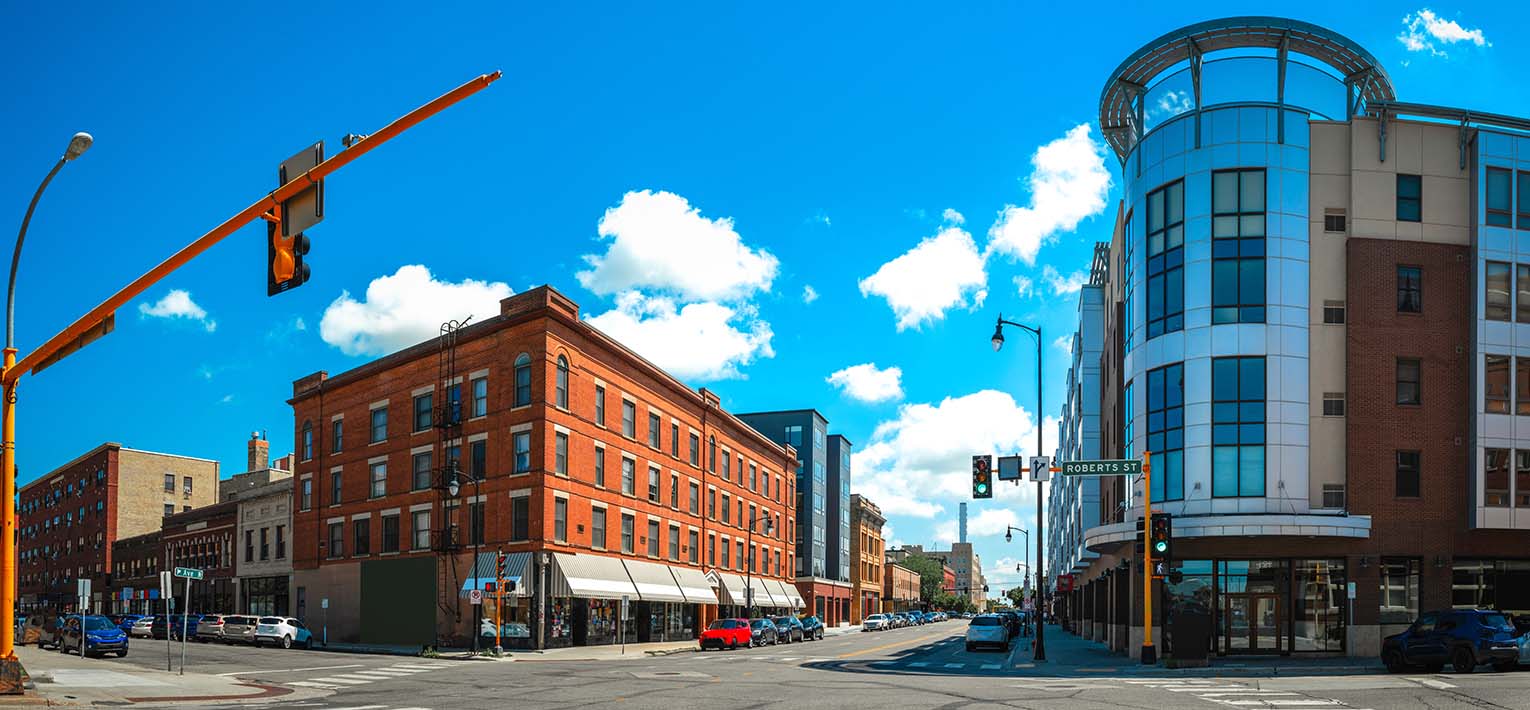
x: 1160, y: 546
x: 982, y: 488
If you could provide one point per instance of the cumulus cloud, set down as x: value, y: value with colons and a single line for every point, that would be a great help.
x: 809, y: 294
x: 1172, y: 103
x: 1063, y: 285
x: 405, y: 308
x: 1064, y: 343
x: 1068, y: 182
x: 920, y: 460
x: 178, y: 304
x: 660, y: 242
x: 952, y: 216
x: 1002, y: 571
x: 989, y: 522
x: 697, y: 341
x: 1024, y: 286
x: 942, y: 272
x: 868, y: 384
x: 1424, y: 31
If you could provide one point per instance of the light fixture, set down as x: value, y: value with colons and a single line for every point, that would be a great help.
x: 1364, y: 562
x: 453, y: 488
x: 78, y: 145
x: 998, y: 336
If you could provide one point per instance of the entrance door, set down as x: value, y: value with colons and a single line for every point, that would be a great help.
x: 1252, y: 623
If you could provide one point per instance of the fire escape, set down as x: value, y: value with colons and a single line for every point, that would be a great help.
x: 446, y: 539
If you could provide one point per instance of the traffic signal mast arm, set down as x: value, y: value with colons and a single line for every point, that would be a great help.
x: 256, y: 211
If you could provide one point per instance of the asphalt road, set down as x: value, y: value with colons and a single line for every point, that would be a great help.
x: 920, y: 667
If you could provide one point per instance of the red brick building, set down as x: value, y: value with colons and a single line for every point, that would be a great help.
x: 204, y: 538
x: 602, y: 476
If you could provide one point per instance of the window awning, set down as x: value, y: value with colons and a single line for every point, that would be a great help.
x: 482, y: 573
x: 653, y: 581
x: 694, y: 585
x: 763, y: 594
x: 730, y: 588
x: 593, y: 576
x: 791, y: 592
x: 778, y: 594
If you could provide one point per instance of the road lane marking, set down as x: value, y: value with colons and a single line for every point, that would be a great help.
x: 992, y: 666
x: 360, y: 707
x: 919, y: 664
x: 1438, y: 684
x: 313, y: 684
x: 905, y: 642
x: 956, y: 665
x: 294, y: 670
x: 342, y: 681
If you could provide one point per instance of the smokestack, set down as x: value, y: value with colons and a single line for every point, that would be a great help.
x: 963, y: 523
x: 260, y: 453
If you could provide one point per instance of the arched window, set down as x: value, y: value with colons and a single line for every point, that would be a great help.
x: 523, y: 380
x: 562, y: 382
x: 307, y: 440
x: 712, y: 454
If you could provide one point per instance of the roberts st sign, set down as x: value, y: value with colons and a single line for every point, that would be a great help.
x: 1106, y: 467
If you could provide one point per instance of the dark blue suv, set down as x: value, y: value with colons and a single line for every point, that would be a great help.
x: 1464, y: 638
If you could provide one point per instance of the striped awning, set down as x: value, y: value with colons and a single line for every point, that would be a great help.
x: 654, y: 581
x: 791, y: 592
x: 593, y: 576
x: 516, y: 565
x: 730, y: 588
x: 694, y: 585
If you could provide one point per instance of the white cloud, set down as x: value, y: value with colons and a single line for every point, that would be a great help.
x: 1024, y: 286
x: 701, y: 341
x: 866, y: 383
x: 917, y: 462
x: 953, y: 217
x: 940, y: 273
x: 405, y: 308
x: 660, y: 242
x: 1068, y: 182
x: 1064, y: 343
x: 1423, y: 29
x: 1063, y: 285
x: 986, y: 523
x: 809, y: 294
x: 1172, y: 103
x: 820, y: 218
x: 227, y: 398
x: 178, y: 304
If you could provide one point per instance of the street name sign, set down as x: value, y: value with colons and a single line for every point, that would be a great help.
x: 188, y: 573
x: 1103, y: 467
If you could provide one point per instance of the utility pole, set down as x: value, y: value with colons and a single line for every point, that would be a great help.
x: 1149, y: 652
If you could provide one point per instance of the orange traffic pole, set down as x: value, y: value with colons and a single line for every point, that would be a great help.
x: 13, y: 370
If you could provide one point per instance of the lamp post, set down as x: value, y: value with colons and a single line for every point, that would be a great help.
x: 998, y: 342
x: 749, y: 569
x: 1009, y: 536
x: 9, y: 668
x: 454, y: 487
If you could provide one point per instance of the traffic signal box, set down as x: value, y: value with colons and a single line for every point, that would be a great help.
x: 982, y: 476
x: 286, y: 244
x: 1161, y: 537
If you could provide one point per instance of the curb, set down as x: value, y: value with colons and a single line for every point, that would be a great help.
x: 671, y: 651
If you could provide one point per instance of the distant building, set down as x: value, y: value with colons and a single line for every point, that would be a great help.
x: 203, y: 538
x: 966, y: 567
x: 900, y: 590
x: 264, y: 496
x: 867, y: 555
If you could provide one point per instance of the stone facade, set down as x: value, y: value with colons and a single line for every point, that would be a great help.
x: 866, y: 554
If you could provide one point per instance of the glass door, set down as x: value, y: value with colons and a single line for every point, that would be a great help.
x: 1251, y: 623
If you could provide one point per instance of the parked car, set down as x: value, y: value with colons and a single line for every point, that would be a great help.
x: 42, y: 629
x: 762, y: 632
x: 209, y: 628
x: 238, y: 629
x: 1011, y: 619
x: 726, y: 633
x: 142, y: 627
x: 172, y: 626
x: 812, y: 628
x: 877, y: 622
x: 283, y: 631
x: 1464, y: 638
x: 987, y: 630
x: 97, y: 634
x: 788, y: 628
x: 126, y: 621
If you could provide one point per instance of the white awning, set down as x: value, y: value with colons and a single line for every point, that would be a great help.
x: 781, y: 598
x: 653, y: 581
x: 764, y: 595
x: 694, y: 585
x: 791, y: 592
x: 730, y: 588
x: 593, y: 576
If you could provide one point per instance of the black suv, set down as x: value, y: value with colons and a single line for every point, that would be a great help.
x: 812, y: 628
x: 1464, y: 638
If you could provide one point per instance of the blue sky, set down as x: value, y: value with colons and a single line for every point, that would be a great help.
x: 883, y: 156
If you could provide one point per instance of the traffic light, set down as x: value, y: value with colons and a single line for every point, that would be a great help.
x: 1161, y: 537
x: 285, y: 242
x: 982, y: 476
x: 499, y: 565
x: 286, y: 269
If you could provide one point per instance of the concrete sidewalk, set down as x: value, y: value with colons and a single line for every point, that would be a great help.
x: 1068, y: 654
x: 68, y: 680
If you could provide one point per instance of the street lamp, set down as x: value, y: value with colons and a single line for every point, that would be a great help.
x: 749, y: 569
x: 453, y: 487
x: 77, y: 146
x: 998, y: 343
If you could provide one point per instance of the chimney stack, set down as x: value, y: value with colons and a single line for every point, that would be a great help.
x: 260, y: 453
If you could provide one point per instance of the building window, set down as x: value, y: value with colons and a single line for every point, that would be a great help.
x: 600, y: 467
x: 478, y: 459
x: 560, y: 453
x: 1410, y: 289
x: 694, y: 500
x: 674, y: 543
x: 169, y: 483
x: 1333, y: 221
x: 629, y: 419
x: 307, y: 440
x: 522, y: 380
x: 186, y: 486
x: 1522, y: 385
x: 265, y: 544
x: 421, y: 471
x: 1237, y: 432
x: 562, y: 382
x: 336, y: 540
x: 695, y: 450
x: 390, y: 533
x: 1409, y: 390
x: 1495, y: 481
x: 1166, y: 434
x: 475, y: 523
x: 629, y: 473
x: 1166, y: 259
x: 281, y: 542
x: 674, y: 491
x: 598, y: 528
x: 1333, y: 404
x: 627, y: 525
x: 653, y: 537
x: 726, y: 460
x: 726, y: 547
x: 379, y: 424
x: 522, y: 441
x: 480, y: 388
x: 692, y: 541
x: 420, y: 527
x: 1399, y: 589
x: 337, y: 435
x: 1522, y: 478
x: 712, y: 453
x: 1127, y: 413
x: 1497, y: 299
x: 1495, y: 387
x: 306, y: 501
x: 422, y: 412
x: 1410, y: 198
x: 379, y: 479
x: 1237, y: 246
x: 361, y: 536
x: 520, y: 518
x: 249, y: 546
x: 727, y: 509
x: 711, y: 503
x: 560, y: 519
x: 1333, y: 312
x: 1407, y: 474
x: 1522, y: 187
x: 600, y: 405
x: 655, y: 429
x: 1499, y: 197
x: 653, y: 484
x: 335, y: 481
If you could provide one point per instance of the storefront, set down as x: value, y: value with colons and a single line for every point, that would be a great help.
x: 732, y: 601
x: 514, y: 627
x: 1259, y: 607
x: 264, y: 596
x: 661, y: 612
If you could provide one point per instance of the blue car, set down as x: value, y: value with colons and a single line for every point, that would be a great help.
x: 97, y: 634
x: 126, y: 621
x: 1464, y: 638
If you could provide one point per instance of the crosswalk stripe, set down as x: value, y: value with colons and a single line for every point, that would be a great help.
x: 1250, y: 691
x: 919, y: 664
x: 413, y: 667
x: 1432, y: 683
x: 991, y: 666
x: 956, y: 665
x: 345, y: 680
x: 1306, y: 702
x: 360, y: 707
x: 312, y: 684
x: 391, y: 672
x: 1198, y: 689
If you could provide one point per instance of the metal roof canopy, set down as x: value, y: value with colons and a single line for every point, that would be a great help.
x: 1121, y: 101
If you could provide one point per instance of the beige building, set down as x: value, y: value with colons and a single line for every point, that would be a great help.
x: 965, y: 563
x: 866, y: 556
x: 264, y: 533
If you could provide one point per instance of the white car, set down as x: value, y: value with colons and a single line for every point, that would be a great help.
x: 143, y: 628
x: 876, y: 622
x: 282, y: 631
x: 987, y: 630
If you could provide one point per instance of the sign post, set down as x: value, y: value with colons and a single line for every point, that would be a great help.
x: 324, y: 605
x: 189, y: 574
x: 165, y: 593
x: 622, y: 623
